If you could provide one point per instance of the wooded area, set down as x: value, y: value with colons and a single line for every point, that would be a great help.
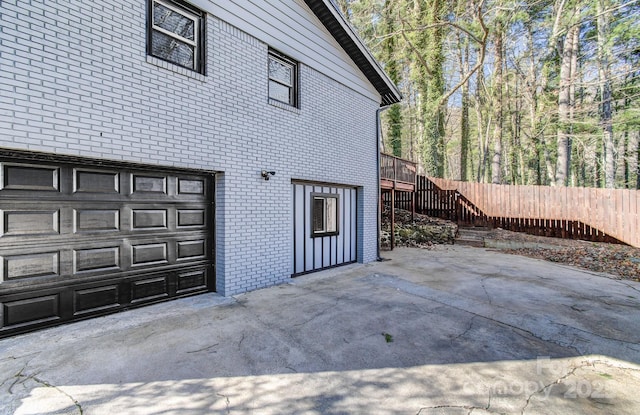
x: 543, y: 92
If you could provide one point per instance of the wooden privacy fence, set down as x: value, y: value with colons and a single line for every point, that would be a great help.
x: 609, y: 215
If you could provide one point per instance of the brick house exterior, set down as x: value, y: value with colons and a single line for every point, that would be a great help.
x: 76, y: 79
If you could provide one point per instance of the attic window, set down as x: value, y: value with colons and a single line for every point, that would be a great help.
x: 283, y: 79
x: 176, y: 34
x: 324, y: 214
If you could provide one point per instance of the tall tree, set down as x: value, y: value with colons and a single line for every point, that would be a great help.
x: 556, y: 103
x: 429, y: 73
x: 567, y: 49
x: 389, y: 58
x: 603, y: 17
x: 498, y: 111
x: 464, y: 109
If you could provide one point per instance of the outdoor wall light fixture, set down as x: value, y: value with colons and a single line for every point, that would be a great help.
x: 265, y: 174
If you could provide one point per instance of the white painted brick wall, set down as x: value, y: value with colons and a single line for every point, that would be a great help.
x: 75, y: 79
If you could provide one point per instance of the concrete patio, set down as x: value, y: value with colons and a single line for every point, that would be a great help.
x: 453, y: 330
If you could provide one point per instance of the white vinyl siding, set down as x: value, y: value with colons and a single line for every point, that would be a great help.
x: 291, y: 28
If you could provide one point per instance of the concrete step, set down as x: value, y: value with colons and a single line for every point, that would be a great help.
x: 478, y: 243
x: 471, y: 236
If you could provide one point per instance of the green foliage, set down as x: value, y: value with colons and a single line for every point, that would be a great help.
x: 424, y: 46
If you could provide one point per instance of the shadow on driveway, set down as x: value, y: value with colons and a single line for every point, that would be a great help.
x: 450, y: 330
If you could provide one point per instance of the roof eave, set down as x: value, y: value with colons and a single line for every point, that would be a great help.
x: 344, y: 34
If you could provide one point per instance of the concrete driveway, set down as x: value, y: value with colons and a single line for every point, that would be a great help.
x: 454, y: 330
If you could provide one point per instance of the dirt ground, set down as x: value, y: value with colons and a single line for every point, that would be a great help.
x: 621, y: 261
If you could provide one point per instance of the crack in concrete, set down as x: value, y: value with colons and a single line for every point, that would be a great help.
x: 545, y: 387
x: 601, y: 298
x: 485, y: 289
x: 468, y: 329
x: 22, y: 378
x: 204, y: 348
x: 16, y: 379
x: 469, y: 408
x: 592, y: 362
x: 227, y: 401
x: 19, y: 357
x: 517, y: 331
x: 321, y: 312
x: 629, y: 286
x: 586, y: 363
x: 626, y: 344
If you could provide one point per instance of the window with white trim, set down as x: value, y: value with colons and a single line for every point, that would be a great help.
x: 176, y: 33
x: 283, y: 79
x: 324, y: 214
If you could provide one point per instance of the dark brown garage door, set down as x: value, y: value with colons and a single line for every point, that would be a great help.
x: 78, y: 241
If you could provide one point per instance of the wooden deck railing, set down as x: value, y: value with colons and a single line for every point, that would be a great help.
x: 397, y: 170
x: 571, y: 212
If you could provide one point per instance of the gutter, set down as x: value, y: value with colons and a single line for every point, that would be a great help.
x: 378, y: 138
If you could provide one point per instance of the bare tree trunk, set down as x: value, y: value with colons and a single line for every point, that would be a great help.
x: 563, y: 164
x: 572, y: 94
x: 605, y: 93
x: 627, y: 165
x: 482, y: 146
x: 532, y: 95
x: 638, y: 160
x: 464, y: 116
x: 496, y: 161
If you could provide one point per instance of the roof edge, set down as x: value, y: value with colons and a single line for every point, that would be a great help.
x: 349, y: 40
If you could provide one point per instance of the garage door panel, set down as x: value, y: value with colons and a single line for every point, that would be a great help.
x: 190, y: 250
x: 149, y: 289
x: 89, y: 220
x: 192, y: 281
x: 96, y: 299
x: 142, y: 183
x: 21, y: 312
x: 96, y: 181
x: 149, y: 254
x: 191, y: 186
x: 30, y: 222
x: 29, y: 177
x: 96, y: 259
x: 19, y: 266
x: 149, y: 218
x: 31, y: 311
x: 190, y: 218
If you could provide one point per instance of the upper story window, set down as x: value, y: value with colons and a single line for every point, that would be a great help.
x: 283, y: 79
x: 176, y: 33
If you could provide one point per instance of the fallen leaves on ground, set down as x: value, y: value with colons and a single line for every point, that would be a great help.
x: 621, y: 261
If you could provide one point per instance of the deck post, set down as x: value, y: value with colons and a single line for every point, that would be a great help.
x: 393, y: 218
x: 413, y: 202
